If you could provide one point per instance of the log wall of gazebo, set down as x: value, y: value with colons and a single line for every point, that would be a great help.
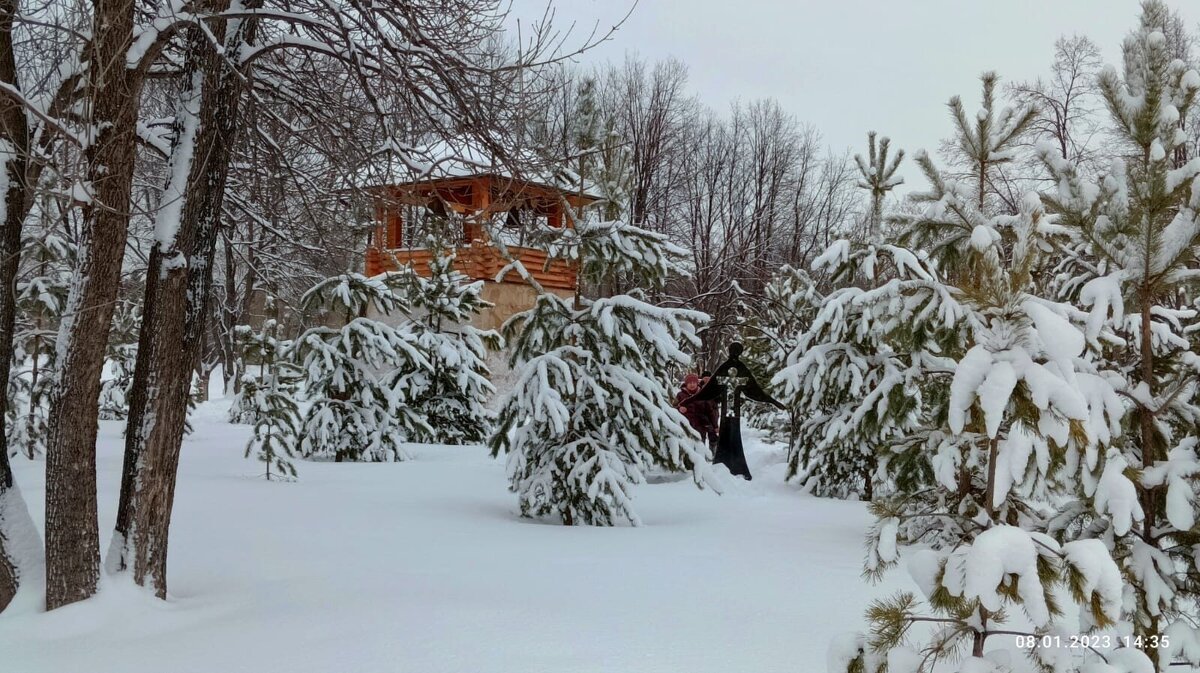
x: 478, y: 261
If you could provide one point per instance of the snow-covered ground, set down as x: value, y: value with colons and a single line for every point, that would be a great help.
x: 425, y: 566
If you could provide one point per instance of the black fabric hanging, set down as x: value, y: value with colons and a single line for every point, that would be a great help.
x: 729, y: 448
x: 733, y: 372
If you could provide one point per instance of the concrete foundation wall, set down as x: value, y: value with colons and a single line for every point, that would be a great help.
x: 509, y: 299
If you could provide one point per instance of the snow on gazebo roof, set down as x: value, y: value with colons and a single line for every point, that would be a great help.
x: 396, y: 164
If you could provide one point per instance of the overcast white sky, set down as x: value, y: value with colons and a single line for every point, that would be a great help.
x: 849, y: 66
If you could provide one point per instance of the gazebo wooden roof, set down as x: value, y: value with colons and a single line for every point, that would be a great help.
x: 476, y: 191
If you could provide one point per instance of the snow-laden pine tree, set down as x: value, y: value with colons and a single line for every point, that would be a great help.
x: 857, y: 398
x: 243, y: 409
x: 452, y: 395
x: 851, y: 396
x: 1133, y: 263
x: 771, y: 327
x: 41, y: 299
x: 267, y: 399
x: 603, y: 160
x: 585, y: 127
x: 590, y: 411
x: 862, y: 399
x: 986, y: 405
x: 877, y: 175
x: 1024, y: 412
x: 122, y: 356
x: 359, y: 377
x: 262, y: 354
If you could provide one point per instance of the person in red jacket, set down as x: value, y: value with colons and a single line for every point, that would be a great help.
x: 700, y: 414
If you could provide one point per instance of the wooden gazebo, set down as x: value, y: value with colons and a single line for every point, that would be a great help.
x: 459, y: 181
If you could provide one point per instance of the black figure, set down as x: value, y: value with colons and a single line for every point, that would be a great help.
x: 729, y: 383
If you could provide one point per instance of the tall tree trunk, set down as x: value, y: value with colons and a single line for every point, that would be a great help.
x: 205, y: 363
x: 35, y: 372
x: 244, y: 303
x: 1149, y: 450
x: 14, y: 161
x: 72, y: 535
x: 20, y: 547
x: 230, y: 373
x: 177, y: 305
x: 21, y: 557
x: 1146, y: 420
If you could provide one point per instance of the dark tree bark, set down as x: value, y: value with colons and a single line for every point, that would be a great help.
x: 229, y: 365
x: 10, y: 576
x: 174, y: 321
x: 72, y: 535
x: 14, y: 154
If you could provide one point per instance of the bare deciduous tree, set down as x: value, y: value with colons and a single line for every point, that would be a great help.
x: 1066, y: 101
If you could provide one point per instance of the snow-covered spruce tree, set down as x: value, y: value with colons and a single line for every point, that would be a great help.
x: 267, y: 400
x: 590, y: 411
x: 122, y: 356
x: 41, y: 298
x: 261, y: 354
x: 243, y: 410
x: 1136, y: 232
x: 359, y: 377
x: 1025, y: 407
x: 452, y: 396
x: 248, y: 344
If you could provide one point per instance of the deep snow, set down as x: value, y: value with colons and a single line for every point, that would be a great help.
x: 425, y: 566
